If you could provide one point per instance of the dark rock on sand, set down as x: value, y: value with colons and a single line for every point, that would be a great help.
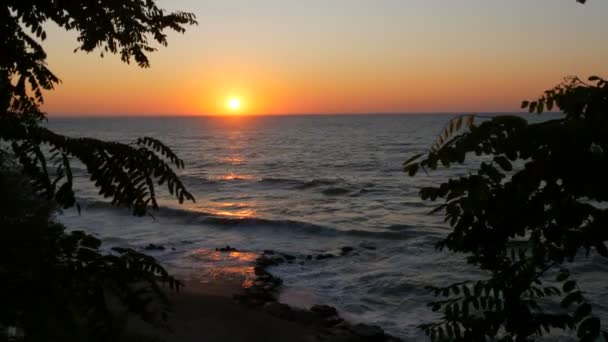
x: 268, y: 251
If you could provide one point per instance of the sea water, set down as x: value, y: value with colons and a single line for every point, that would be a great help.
x: 301, y: 185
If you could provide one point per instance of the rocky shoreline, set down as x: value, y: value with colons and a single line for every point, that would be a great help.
x: 264, y: 292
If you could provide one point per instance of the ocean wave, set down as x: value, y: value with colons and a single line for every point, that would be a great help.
x: 335, y: 191
x: 281, y: 182
x: 318, y: 182
x: 193, y: 217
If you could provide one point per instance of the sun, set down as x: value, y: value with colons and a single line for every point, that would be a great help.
x: 234, y: 104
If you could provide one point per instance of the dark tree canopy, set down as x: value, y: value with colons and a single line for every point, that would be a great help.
x: 60, y: 286
x: 543, y: 183
x: 125, y: 27
x: 126, y: 173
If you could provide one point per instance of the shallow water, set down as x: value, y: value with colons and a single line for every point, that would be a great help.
x: 301, y: 185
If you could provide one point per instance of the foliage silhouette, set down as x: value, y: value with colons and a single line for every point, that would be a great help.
x: 543, y: 183
x: 61, y: 286
x: 127, y: 173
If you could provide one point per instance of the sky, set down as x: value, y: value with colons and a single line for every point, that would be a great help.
x: 340, y: 56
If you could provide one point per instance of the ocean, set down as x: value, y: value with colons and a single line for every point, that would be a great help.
x: 301, y: 185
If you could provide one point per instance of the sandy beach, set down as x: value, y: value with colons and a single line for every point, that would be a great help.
x: 245, y: 306
x: 208, y: 312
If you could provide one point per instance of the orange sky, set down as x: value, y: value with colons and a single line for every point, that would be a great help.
x: 341, y: 56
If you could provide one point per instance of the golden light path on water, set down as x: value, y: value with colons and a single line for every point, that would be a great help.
x: 232, y: 266
x: 233, y: 176
x: 227, y: 266
x: 233, y: 160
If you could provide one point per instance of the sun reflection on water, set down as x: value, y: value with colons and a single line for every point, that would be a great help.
x: 224, y: 266
x: 231, y: 176
x: 246, y: 213
x: 233, y: 160
x: 244, y: 209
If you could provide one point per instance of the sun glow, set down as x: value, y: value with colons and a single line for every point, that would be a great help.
x: 234, y: 104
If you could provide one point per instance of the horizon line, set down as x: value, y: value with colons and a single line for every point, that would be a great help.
x: 99, y: 115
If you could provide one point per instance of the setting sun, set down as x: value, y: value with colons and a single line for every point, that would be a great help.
x: 234, y: 104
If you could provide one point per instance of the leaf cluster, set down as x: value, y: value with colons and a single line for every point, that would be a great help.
x: 58, y: 285
x: 128, y: 174
x: 62, y: 286
x: 126, y: 27
x: 542, y: 183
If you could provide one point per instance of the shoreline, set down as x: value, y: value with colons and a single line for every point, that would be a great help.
x: 239, y: 309
x: 251, y: 311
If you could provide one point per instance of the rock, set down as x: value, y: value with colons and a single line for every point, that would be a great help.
x: 324, y: 310
x: 332, y: 321
x: 264, y: 277
x: 268, y: 251
x: 324, y: 256
x: 280, y: 310
x: 309, y: 257
x: 260, y: 271
x: 259, y: 294
x: 265, y: 261
x: 153, y: 247
x: 288, y: 257
x: 226, y: 249
x: 304, y: 316
x: 368, y: 332
x: 346, y: 250
x: 173, y: 248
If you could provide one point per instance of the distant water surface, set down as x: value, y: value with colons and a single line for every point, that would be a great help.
x: 302, y: 185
